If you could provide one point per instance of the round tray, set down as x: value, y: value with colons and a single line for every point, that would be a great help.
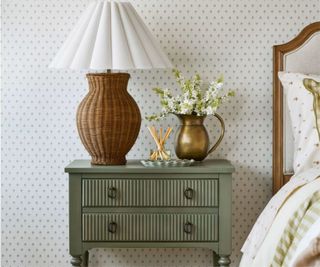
x: 167, y: 163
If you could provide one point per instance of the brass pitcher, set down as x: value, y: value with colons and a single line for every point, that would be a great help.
x: 192, y: 140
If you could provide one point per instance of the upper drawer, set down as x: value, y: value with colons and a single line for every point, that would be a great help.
x: 149, y: 192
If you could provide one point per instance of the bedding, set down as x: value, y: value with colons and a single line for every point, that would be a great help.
x: 264, y: 221
x: 311, y: 256
x: 306, y: 251
x: 303, y: 103
x: 299, y: 223
x: 279, y: 238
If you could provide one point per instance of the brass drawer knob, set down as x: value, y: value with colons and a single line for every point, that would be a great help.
x: 188, y: 193
x: 187, y: 228
x: 112, y: 227
x: 112, y: 192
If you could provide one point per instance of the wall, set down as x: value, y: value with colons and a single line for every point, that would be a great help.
x: 39, y: 134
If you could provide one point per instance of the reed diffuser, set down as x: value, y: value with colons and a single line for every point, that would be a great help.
x: 160, y: 139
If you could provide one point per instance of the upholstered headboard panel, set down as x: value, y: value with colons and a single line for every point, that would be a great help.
x: 302, y: 54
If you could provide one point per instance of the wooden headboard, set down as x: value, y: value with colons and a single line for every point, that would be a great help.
x: 282, y: 173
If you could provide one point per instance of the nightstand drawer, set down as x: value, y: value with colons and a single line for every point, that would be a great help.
x: 149, y: 192
x: 149, y: 227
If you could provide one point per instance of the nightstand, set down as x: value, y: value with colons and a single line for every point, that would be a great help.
x: 133, y: 206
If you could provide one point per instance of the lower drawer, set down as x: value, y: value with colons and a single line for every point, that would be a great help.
x: 149, y: 227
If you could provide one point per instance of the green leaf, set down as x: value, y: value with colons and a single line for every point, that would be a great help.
x: 197, y: 77
x: 158, y: 91
x: 177, y: 73
x: 220, y: 79
x: 152, y: 118
x: 231, y: 93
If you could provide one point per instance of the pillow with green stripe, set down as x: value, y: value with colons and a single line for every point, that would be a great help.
x: 302, y: 97
x: 314, y: 88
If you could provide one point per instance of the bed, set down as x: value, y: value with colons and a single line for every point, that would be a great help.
x: 287, y: 233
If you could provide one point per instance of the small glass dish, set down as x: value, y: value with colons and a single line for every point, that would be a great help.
x: 168, y: 163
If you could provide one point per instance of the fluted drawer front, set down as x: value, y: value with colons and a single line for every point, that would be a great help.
x: 149, y: 227
x: 148, y: 192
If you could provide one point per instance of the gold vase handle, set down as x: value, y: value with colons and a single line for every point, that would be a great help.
x: 221, y: 134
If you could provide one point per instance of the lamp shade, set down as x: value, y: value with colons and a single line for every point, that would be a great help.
x: 110, y: 35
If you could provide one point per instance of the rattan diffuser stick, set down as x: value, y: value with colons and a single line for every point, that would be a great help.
x: 160, y: 142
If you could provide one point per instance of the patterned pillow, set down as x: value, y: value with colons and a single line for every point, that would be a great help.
x: 303, y: 96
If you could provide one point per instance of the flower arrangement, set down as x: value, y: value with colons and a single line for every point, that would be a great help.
x: 193, y: 100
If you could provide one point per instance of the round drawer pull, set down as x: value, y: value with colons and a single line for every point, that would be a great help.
x: 188, y: 193
x: 112, y: 192
x: 112, y: 227
x: 187, y: 228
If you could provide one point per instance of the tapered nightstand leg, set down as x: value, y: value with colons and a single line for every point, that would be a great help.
x: 76, y: 261
x: 85, y: 259
x: 224, y: 260
x: 215, y: 259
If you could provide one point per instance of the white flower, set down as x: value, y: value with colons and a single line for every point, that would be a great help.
x: 194, y: 94
x: 188, y: 101
x: 166, y: 92
x: 186, y: 108
x: 210, y: 110
x: 219, y: 86
x: 171, y: 104
x: 210, y: 94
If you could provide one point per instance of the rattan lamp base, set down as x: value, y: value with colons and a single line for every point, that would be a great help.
x: 108, y: 119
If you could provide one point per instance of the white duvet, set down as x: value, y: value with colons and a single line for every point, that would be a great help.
x: 260, y: 246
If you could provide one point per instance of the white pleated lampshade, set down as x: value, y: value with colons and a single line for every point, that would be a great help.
x: 110, y: 35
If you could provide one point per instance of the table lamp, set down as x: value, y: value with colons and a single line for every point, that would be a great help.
x: 110, y: 35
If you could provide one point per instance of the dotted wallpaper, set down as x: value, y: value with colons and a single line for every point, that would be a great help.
x: 39, y: 136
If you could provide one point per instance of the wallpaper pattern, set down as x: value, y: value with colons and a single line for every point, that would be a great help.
x: 39, y: 136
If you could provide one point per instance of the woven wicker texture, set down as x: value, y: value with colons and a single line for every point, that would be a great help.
x: 108, y: 118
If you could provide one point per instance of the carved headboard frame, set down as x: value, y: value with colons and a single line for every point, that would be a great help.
x: 279, y: 51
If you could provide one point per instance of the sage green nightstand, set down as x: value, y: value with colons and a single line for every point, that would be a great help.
x: 132, y: 206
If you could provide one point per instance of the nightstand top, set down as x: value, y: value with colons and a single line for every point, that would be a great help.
x: 134, y: 166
